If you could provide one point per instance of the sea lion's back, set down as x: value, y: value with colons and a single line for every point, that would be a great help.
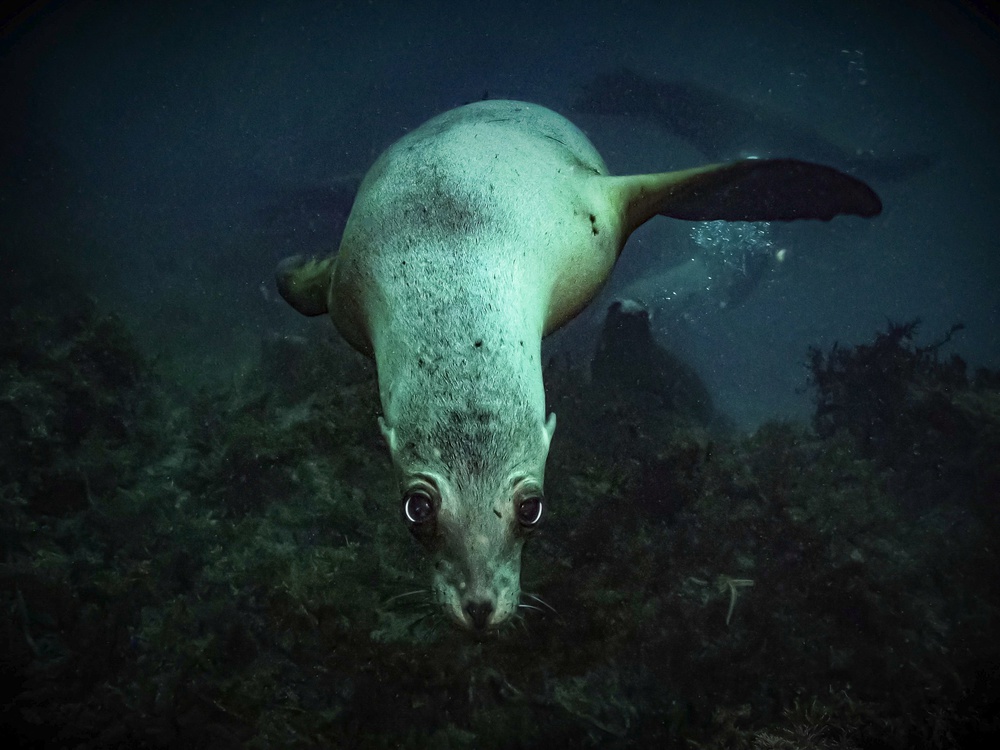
x: 500, y: 185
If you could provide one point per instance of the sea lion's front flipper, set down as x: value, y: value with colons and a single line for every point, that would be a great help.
x: 749, y: 190
x: 305, y: 283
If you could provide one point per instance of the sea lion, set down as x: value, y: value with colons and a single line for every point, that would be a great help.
x: 470, y: 239
x: 722, y: 126
x: 632, y: 367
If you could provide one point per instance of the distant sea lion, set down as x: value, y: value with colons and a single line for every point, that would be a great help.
x: 724, y: 127
x: 470, y: 239
x: 630, y: 365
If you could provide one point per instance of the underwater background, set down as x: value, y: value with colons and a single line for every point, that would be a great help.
x: 773, y: 501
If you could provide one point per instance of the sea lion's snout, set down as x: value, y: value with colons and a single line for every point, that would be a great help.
x: 477, y: 567
x: 479, y: 611
x: 478, y: 594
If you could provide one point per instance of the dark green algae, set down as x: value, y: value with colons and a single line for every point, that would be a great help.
x: 210, y: 568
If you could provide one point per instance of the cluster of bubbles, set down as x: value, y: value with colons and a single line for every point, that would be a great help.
x: 856, y: 69
x: 733, y: 244
x: 736, y: 255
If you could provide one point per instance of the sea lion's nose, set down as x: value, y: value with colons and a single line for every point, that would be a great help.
x: 479, y: 612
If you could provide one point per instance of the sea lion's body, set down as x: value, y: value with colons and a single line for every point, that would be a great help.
x: 471, y: 238
x: 453, y: 295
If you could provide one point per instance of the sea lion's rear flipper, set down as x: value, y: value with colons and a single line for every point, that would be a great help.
x: 305, y: 283
x: 749, y: 190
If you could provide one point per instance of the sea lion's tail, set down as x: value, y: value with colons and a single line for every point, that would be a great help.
x: 305, y: 283
x: 748, y: 190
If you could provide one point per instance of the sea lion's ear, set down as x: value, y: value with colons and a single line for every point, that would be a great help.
x: 388, y: 434
x: 748, y: 190
x: 550, y: 428
x: 305, y: 282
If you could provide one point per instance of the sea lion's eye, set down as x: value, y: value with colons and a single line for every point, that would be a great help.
x: 418, y: 507
x: 529, y: 511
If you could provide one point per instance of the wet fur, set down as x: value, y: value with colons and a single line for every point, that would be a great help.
x: 471, y: 238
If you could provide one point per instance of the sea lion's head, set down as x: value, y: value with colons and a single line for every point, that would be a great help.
x: 471, y: 493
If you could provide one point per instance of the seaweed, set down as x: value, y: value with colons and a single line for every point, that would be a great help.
x: 868, y: 389
x: 917, y: 415
x: 231, y: 570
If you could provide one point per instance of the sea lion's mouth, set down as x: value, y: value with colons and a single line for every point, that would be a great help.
x: 478, y: 613
x: 477, y: 616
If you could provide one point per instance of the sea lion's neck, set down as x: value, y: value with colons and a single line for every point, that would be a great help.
x: 464, y: 355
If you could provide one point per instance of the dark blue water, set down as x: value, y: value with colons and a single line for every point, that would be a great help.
x: 171, y: 156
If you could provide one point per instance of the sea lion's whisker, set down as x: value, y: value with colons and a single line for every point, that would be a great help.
x: 517, y: 620
x: 540, y: 601
x: 405, y: 594
x: 413, y: 625
x: 530, y: 606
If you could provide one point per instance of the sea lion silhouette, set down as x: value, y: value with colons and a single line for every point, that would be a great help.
x: 724, y: 127
x: 470, y: 239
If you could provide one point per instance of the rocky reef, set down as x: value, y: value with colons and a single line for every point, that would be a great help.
x: 220, y: 568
